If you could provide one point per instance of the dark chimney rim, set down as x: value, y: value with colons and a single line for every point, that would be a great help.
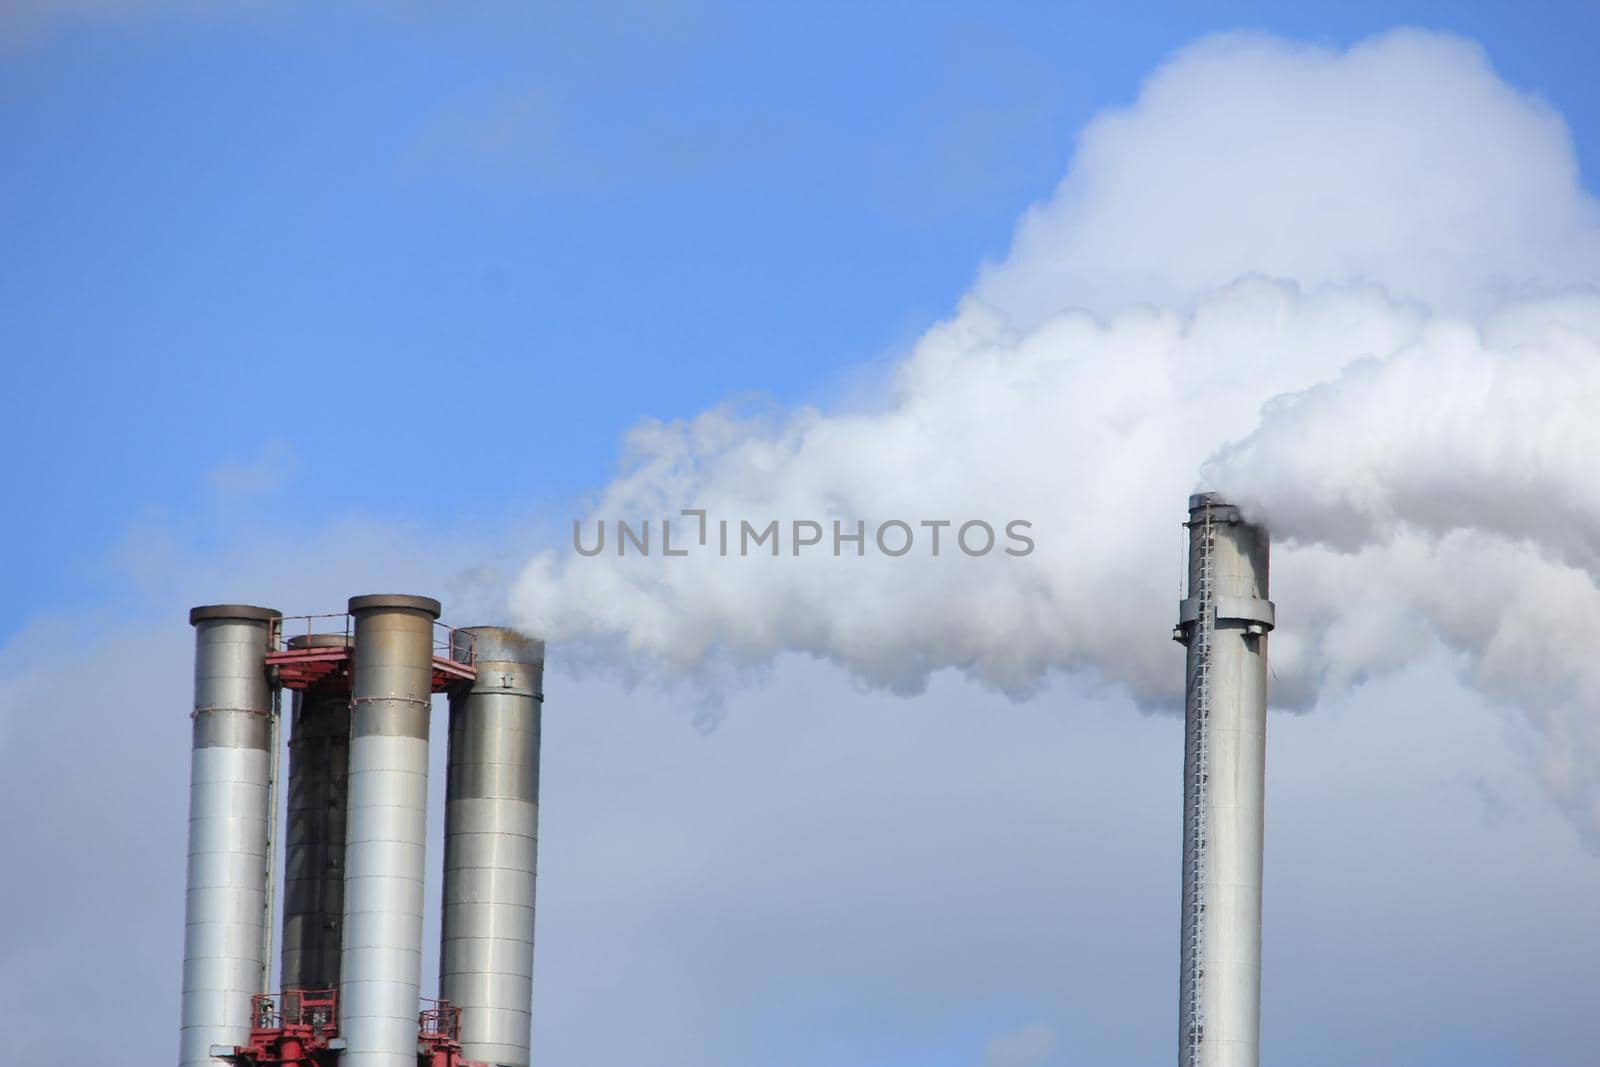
x: 403, y: 601
x: 1209, y: 500
x: 232, y: 611
x: 499, y: 644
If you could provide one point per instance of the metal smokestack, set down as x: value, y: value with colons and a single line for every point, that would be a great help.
x: 1224, y: 623
x: 390, y: 690
x: 313, y: 850
x: 491, y: 840
x: 227, y: 921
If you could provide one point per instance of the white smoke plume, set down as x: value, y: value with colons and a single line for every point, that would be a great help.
x: 1355, y: 289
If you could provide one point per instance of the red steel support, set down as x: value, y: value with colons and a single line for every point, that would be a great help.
x: 298, y: 1028
x: 439, y: 1036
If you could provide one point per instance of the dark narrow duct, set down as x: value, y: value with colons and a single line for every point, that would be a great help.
x: 314, y: 837
x: 491, y: 841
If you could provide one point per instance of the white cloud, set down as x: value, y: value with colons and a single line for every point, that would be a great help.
x: 1404, y: 159
x: 1278, y: 240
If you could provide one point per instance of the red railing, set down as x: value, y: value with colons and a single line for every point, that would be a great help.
x: 455, y: 653
x: 445, y: 639
x: 311, y: 1011
x: 290, y: 627
x: 440, y: 1022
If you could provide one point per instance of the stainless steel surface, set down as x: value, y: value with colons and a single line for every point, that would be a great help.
x: 491, y: 842
x: 314, y: 839
x: 226, y: 906
x: 381, y: 962
x: 1223, y: 623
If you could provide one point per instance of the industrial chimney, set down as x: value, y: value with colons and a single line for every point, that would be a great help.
x: 490, y: 843
x: 227, y: 934
x: 1224, y: 623
x: 391, y: 686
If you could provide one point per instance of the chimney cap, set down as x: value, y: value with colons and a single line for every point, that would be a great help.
x: 497, y: 644
x: 1209, y: 500
x: 232, y: 611
x: 404, y: 601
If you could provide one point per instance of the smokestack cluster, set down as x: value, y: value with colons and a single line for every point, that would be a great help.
x: 356, y: 841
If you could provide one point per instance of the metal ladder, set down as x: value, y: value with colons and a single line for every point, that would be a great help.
x: 1204, y: 593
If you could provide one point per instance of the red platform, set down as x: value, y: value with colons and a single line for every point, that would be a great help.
x: 300, y: 1028
x: 329, y: 665
x: 297, y: 1028
x: 439, y: 1036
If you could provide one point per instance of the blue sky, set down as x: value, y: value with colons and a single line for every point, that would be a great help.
x: 273, y: 242
x: 296, y: 299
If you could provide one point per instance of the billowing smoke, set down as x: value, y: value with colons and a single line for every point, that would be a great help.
x: 1353, y: 289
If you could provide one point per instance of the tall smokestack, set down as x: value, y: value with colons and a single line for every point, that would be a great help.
x: 490, y: 845
x: 1223, y: 622
x: 390, y: 690
x: 227, y: 925
x: 313, y: 840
